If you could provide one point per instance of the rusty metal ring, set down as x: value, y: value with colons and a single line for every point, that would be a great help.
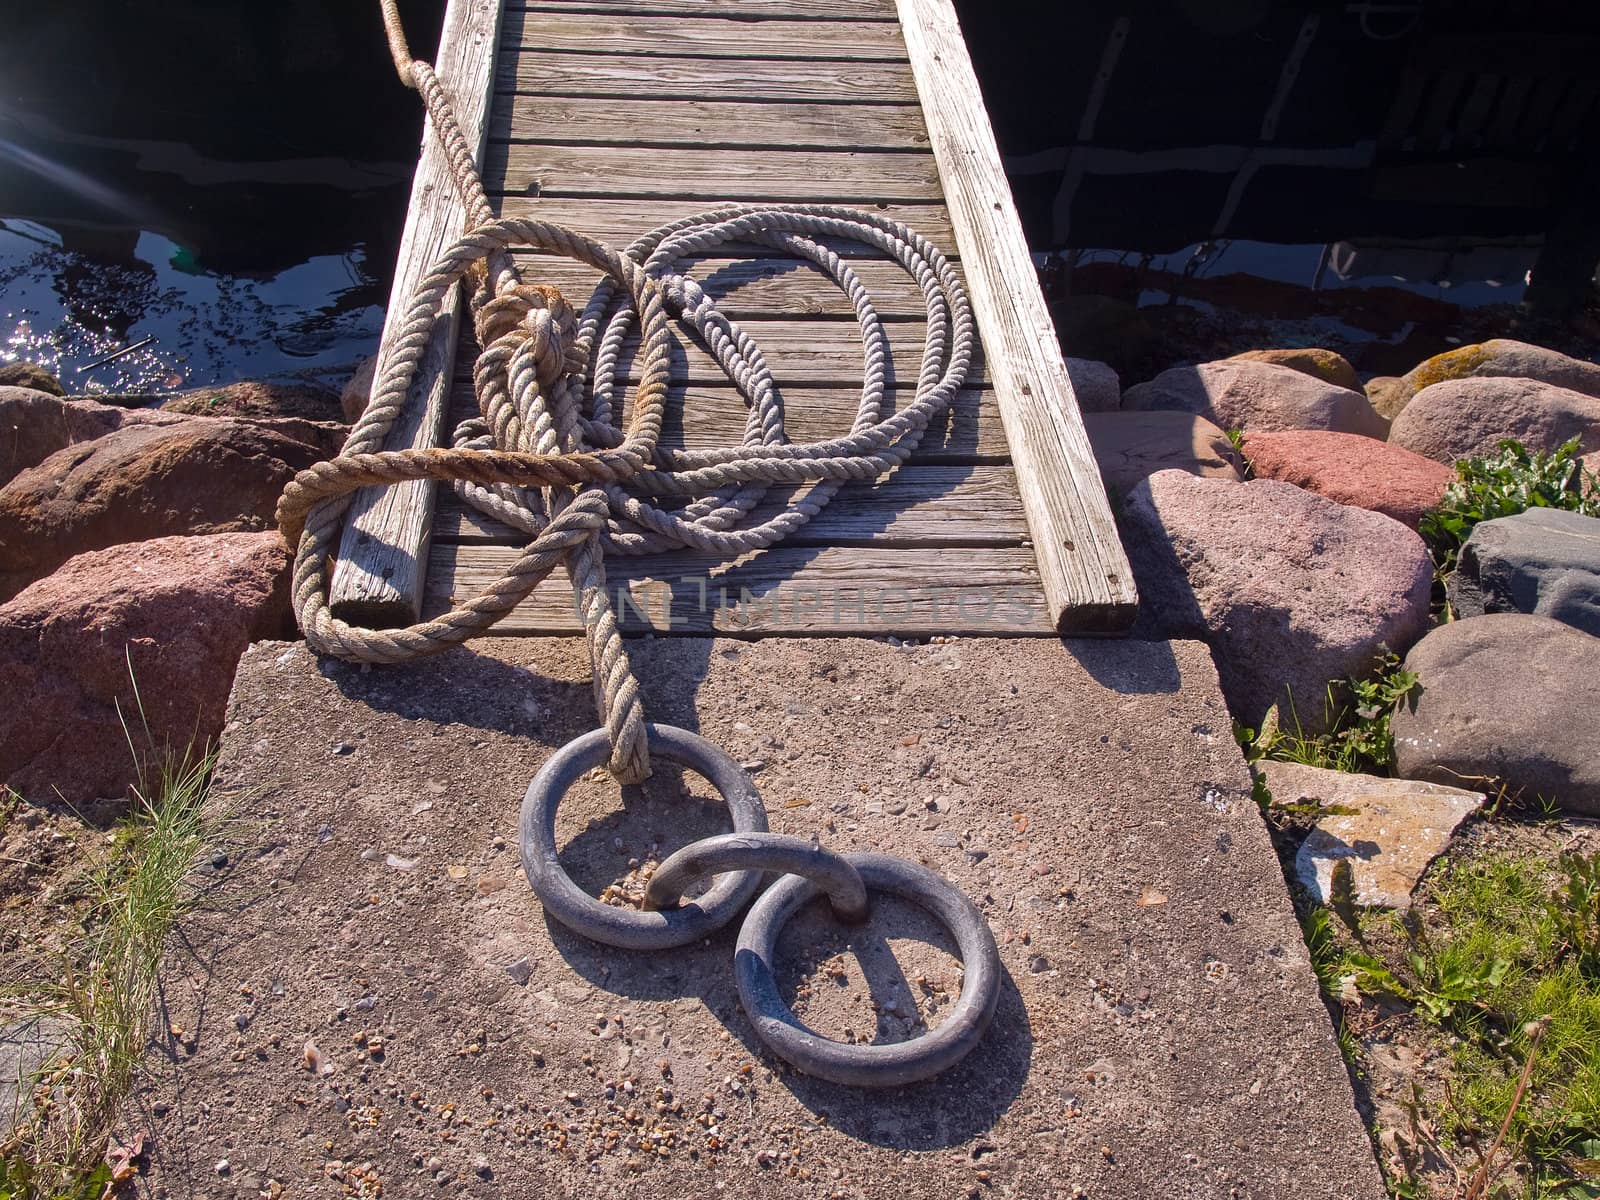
x: 884, y: 1065
x: 632, y: 929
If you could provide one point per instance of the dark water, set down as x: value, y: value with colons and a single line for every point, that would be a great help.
x: 227, y: 182
x: 1386, y: 177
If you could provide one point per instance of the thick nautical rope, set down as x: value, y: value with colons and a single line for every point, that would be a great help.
x: 546, y: 454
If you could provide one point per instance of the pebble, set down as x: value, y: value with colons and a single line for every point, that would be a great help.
x: 520, y: 971
x: 224, y: 1167
x: 401, y: 864
x: 344, y: 748
x: 371, y: 854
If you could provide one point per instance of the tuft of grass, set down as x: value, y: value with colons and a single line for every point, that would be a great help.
x: 1503, y: 970
x: 1512, y: 480
x: 1509, y: 929
x: 96, y: 998
x: 1358, y: 737
x: 94, y: 1001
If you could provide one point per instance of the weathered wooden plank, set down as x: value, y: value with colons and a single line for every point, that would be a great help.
x: 757, y: 288
x: 785, y: 10
x: 708, y: 35
x: 704, y: 416
x: 541, y: 73
x: 1086, y: 577
x: 619, y: 222
x: 819, y: 176
x: 707, y: 124
x: 377, y: 578
x: 817, y: 351
x: 796, y: 590
x: 916, y: 506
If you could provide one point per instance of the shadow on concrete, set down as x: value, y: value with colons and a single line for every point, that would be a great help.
x: 1133, y: 668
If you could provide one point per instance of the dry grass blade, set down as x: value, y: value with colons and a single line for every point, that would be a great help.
x: 1484, y: 1174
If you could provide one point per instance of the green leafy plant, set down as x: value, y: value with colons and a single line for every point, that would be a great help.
x: 1448, y: 987
x: 1577, y: 909
x: 1512, y: 480
x: 1357, y: 738
x: 1236, y: 440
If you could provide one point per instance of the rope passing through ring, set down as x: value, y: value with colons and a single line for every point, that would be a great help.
x: 561, y: 451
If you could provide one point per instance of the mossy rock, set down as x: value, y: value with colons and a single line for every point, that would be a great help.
x: 1498, y: 358
x: 1452, y: 364
x: 30, y: 375
x: 1321, y: 364
x: 1389, y: 394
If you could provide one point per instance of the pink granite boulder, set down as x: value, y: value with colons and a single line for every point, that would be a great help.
x: 1243, y: 394
x: 34, y: 425
x: 1352, y: 470
x: 1095, y: 386
x: 1292, y: 591
x: 1464, y: 417
x: 178, y: 612
x: 187, y: 475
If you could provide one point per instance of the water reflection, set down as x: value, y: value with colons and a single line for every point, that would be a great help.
x: 70, y: 302
x: 227, y: 180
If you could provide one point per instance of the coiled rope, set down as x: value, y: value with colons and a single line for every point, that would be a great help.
x: 548, y: 456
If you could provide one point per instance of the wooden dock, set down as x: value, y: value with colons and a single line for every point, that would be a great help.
x: 615, y: 116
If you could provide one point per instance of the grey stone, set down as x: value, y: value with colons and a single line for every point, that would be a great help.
x: 1202, y: 1025
x: 1258, y: 396
x: 1544, y: 561
x: 1505, y: 698
x: 1291, y: 590
x: 1387, y: 830
x: 27, y: 1046
x: 1095, y: 386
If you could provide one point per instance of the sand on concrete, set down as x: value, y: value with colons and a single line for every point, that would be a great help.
x: 370, y: 1000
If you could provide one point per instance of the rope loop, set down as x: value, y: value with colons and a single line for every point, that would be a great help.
x: 566, y: 444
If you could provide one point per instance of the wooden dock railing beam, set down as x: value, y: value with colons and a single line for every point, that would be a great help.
x: 383, y: 557
x: 1087, y: 582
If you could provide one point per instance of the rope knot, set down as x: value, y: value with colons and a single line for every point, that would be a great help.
x: 536, y: 314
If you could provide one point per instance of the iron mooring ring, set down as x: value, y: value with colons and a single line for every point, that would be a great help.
x: 739, y: 860
x: 884, y: 1065
x: 629, y: 928
x: 761, y: 852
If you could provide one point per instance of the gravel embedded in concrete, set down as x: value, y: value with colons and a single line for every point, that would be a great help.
x: 1159, y: 1030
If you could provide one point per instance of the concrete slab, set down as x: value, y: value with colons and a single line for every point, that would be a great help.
x: 372, y: 1000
